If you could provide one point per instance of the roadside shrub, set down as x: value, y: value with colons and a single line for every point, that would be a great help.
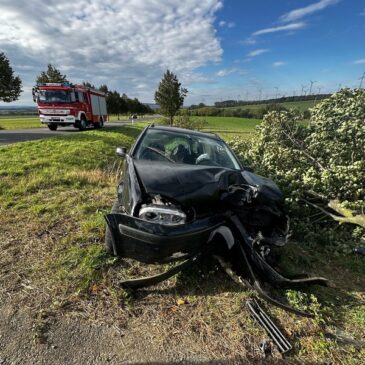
x: 188, y: 122
x: 322, y: 161
x: 184, y: 120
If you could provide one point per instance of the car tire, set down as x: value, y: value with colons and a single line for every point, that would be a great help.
x: 82, y: 123
x: 52, y: 127
x: 116, y: 208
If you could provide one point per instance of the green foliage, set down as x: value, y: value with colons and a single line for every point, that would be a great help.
x: 170, y: 95
x: 184, y: 120
x: 121, y: 104
x: 258, y: 112
x: 324, y: 159
x: 51, y: 75
x: 10, y: 85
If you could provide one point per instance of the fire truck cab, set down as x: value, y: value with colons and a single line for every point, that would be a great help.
x: 64, y: 104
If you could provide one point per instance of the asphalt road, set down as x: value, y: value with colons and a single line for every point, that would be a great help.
x: 21, y: 135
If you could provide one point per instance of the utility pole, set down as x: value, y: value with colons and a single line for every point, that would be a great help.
x: 361, y: 80
x: 277, y: 92
x: 260, y: 93
x: 319, y: 90
x: 310, y: 89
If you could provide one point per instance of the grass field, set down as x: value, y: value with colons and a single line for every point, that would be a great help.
x: 54, y: 194
x: 19, y: 122
x: 228, y: 127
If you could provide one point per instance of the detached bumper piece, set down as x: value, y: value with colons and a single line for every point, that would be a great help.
x: 269, y: 326
x: 247, y: 261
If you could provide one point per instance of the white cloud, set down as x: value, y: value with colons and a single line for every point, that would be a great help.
x: 280, y: 28
x: 279, y: 63
x: 257, y: 52
x: 127, y: 45
x: 302, y: 12
x: 249, y: 41
x: 223, y: 23
x: 359, y: 62
x: 229, y: 71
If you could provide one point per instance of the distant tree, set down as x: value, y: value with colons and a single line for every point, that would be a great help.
x: 88, y: 84
x: 170, y: 95
x: 51, y: 75
x: 104, y: 88
x: 10, y: 85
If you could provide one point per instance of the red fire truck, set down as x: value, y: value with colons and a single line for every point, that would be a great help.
x: 64, y: 104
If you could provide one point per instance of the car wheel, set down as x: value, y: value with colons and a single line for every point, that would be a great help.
x: 108, y: 235
x: 82, y: 125
x: 52, y: 127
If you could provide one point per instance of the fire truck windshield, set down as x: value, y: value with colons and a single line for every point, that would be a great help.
x: 55, y: 96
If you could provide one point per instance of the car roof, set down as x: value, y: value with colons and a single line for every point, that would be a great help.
x: 185, y: 131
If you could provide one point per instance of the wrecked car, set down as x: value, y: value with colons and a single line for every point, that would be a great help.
x: 183, y: 195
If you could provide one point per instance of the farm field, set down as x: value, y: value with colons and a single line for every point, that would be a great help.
x: 19, y: 122
x: 228, y: 127
x: 27, y: 121
x: 53, y: 268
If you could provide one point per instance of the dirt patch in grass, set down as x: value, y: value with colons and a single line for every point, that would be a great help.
x: 61, y: 301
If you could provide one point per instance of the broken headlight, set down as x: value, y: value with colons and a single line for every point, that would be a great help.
x: 166, y: 215
x: 162, y: 211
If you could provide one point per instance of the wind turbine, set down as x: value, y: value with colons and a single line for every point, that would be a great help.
x: 361, y: 80
x: 277, y: 92
x: 310, y: 89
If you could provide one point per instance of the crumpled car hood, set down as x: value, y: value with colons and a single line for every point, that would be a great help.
x: 192, y: 185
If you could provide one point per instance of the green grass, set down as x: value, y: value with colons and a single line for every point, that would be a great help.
x: 54, y: 194
x: 19, y: 122
x: 228, y: 127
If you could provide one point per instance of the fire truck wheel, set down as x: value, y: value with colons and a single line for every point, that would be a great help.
x: 52, y: 127
x: 100, y: 124
x: 82, y: 124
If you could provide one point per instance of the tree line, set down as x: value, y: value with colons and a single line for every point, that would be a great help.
x: 256, y: 113
x: 283, y: 99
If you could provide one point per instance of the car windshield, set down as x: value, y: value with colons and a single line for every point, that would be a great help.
x: 54, y: 96
x: 160, y: 145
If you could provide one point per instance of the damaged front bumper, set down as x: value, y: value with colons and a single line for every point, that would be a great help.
x: 153, y: 242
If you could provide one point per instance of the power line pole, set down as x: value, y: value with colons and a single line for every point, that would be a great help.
x: 310, y: 89
x: 361, y: 80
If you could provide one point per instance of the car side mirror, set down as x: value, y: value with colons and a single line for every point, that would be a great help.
x: 247, y: 168
x: 121, y: 151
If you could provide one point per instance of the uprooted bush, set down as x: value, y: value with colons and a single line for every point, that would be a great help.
x: 315, y: 164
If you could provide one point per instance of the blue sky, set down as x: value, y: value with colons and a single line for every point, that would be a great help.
x: 326, y: 45
x: 219, y: 49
